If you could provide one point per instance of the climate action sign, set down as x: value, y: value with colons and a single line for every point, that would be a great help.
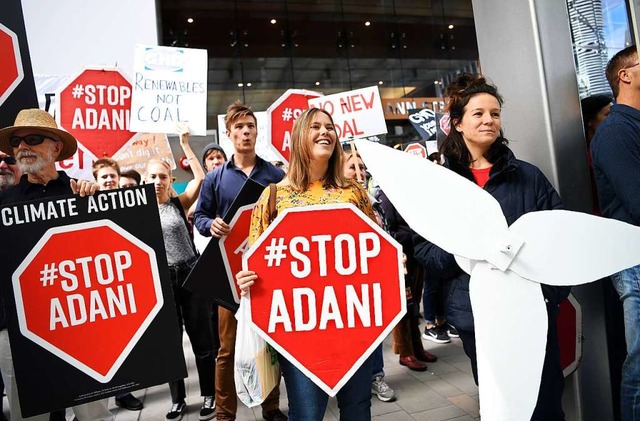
x: 89, y: 300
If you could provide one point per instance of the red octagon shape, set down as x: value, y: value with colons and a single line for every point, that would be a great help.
x: 569, y: 324
x: 281, y: 115
x: 92, y: 328
x: 416, y: 149
x: 11, y: 73
x: 234, y: 244
x: 95, y: 108
x: 326, y: 315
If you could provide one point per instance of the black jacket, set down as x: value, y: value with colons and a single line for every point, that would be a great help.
x: 520, y: 188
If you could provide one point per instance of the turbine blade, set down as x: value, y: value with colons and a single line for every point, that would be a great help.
x: 451, y: 211
x: 572, y: 248
x: 509, y: 366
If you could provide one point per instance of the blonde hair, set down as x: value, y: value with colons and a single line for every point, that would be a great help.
x: 235, y: 111
x: 162, y: 162
x: 105, y: 163
x: 298, y: 174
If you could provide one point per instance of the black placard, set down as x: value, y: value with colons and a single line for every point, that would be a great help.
x: 424, y: 121
x: 208, y: 276
x: 24, y: 95
x: 48, y: 380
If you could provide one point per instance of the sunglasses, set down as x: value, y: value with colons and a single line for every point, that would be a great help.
x: 30, y: 139
x: 8, y: 159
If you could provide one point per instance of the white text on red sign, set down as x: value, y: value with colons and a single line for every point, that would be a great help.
x: 350, y: 255
x: 101, y: 96
x: 86, y: 273
x: 366, y: 247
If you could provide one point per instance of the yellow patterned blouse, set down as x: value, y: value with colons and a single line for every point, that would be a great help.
x: 317, y: 194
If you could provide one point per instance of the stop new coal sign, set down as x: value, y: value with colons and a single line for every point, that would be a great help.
x: 330, y: 289
x: 87, y: 292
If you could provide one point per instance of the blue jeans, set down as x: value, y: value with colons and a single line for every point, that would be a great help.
x: 627, y: 283
x: 377, y: 364
x: 307, y: 402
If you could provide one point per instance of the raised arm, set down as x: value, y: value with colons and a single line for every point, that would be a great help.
x: 189, y: 196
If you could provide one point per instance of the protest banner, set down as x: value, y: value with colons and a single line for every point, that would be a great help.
x: 327, y: 293
x: 88, y: 300
x: 281, y: 116
x: 17, y: 89
x: 206, y: 277
x: 145, y: 146
x: 416, y: 148
x: 94, y: 107
x: 356, y: 114
x: 424, y: 121
x: 442, y: 126
x: 170, y: 87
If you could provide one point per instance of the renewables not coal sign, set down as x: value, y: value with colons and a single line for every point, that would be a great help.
x: 169, y: 87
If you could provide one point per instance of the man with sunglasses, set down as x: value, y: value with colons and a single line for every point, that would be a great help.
x: 36, y: 143
x: 615, y: 150
x: 9, y: 172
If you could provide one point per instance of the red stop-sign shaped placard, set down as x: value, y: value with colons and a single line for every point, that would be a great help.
x: 11, y: 73
x: 87, y: 293
x: 330, y: 289
x: 233, y: 246
x: 95, y: 108
x: 416, y: 149
x: 569, y: 324
x: 281, y: 115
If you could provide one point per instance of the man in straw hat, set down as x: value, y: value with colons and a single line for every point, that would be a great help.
x: 37, y: 143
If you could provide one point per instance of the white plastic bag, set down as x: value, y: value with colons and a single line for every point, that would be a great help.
x: 256, y: 364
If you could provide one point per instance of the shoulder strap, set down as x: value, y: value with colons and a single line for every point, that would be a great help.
x: 177, y: 204
x: 273, y: 211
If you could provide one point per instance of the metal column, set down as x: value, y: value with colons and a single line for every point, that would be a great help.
x: 525, y: 49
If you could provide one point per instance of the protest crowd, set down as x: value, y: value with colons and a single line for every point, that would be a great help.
x: 324, y: 171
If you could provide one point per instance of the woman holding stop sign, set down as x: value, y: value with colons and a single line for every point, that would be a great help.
x: 315, y: 177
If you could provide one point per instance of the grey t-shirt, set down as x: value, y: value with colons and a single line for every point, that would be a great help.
x: 176, y: 236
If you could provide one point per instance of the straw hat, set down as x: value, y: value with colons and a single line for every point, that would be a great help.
x: 39, y: 122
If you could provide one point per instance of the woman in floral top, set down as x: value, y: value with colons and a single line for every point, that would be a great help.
x: 314, y: 178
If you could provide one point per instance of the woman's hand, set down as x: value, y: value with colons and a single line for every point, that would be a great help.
x: 244, y: 279
x: 183, y: 131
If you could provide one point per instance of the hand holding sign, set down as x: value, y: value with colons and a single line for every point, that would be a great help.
x: 313, y: 281
x: 182, y: 129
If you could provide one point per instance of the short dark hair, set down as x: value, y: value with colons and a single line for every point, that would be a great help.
x: 460, y: 91
x: 592, y: 105
x: 621, y: 60
x: 132, y: 174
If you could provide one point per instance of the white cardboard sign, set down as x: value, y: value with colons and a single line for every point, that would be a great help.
x: 262, y: 143
x: 356, y: 113
x: 169, y: 87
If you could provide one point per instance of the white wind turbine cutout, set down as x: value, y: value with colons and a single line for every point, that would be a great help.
x: 506, y: 263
